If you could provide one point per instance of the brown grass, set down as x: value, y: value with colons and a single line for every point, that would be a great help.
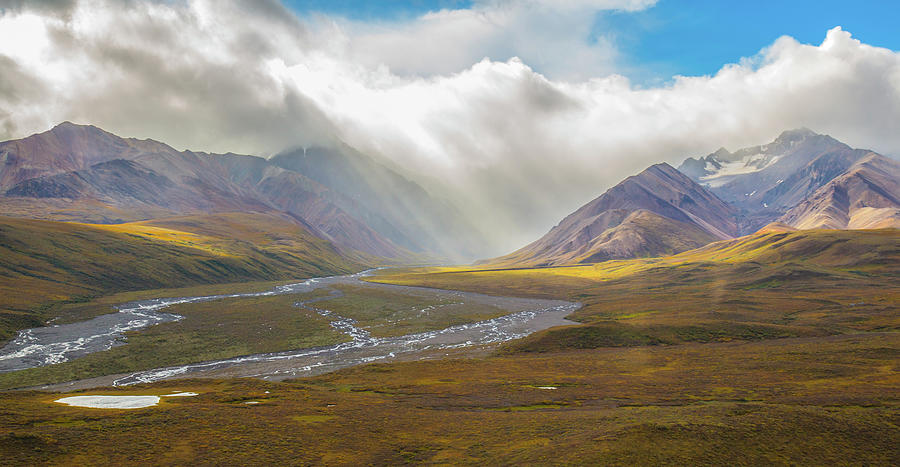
x: 757, y: 357
x: 791, y: 401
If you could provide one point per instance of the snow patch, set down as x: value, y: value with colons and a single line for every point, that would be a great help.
x: 118, y: 402
x: 110, y: 402
x: 718, y: 176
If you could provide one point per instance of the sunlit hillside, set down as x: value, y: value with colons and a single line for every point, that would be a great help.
x: 47, y: 264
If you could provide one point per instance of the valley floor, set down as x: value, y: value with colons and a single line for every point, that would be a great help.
x: 777, y: 349
x: 798, y: 401
x: 309, y: 327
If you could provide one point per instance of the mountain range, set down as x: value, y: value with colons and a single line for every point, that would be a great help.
x: 374, y: 214
x: 84, y: 174
x: 764, y: 182
x: 801, y: 180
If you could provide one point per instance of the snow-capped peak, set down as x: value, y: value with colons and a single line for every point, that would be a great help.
x: 719, y: 172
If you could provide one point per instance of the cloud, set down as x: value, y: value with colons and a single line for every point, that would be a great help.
x: 193, y: 73
x: 511, y: 142
x: 554, y: 37
x: 52, y: 7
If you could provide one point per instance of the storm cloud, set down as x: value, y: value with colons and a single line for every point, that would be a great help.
x: 518, y: 139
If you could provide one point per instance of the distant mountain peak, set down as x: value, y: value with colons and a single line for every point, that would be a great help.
x: 75, y: 135
x: 722, y: 152
x: 799, y: 135
x: 664, y: 170
x: 68, y: 126
x: 801, y: 132
x: 765, y: 181
x: 659, y: 169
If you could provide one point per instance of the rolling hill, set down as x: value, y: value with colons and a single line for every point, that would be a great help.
x: 46, y: 262
x: 768, y: 285
x: 833, y: 248
x: 673, y: 362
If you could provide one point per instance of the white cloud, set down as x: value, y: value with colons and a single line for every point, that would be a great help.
x: 520, y: 148
x: 551, y: 36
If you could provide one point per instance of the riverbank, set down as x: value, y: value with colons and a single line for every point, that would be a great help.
x: 373, y: 307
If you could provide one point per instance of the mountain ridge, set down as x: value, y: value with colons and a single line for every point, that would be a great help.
x: 75, y: 172
x: 866, y: 196
x: 765, y: 181
x: 686, y: 215
x: 801, y: 179
x: 825, y: 184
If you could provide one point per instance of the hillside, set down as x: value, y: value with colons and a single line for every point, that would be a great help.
x: 839, y: 250
x: 867, y: 196
x: 714, y: 356
x: 768, y: 285
x: 659, y: 211
x: 46, y: 262
x: 832, y: 248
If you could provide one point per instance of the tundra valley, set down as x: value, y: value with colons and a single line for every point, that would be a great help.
x: 417, y: 257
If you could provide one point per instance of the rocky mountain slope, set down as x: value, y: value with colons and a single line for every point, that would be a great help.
x: 659, y: 211
x: 82, y: 173
x: 867, y: 196
x: 802, y: 180
x: 66, y: 148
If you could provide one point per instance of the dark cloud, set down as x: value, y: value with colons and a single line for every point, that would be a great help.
x: 60, y: 8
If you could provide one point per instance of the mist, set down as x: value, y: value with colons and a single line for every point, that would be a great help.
x: 503, y: 108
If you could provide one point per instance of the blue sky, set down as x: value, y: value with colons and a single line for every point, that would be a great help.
x: 681, y: 37
x: 697, y: 37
